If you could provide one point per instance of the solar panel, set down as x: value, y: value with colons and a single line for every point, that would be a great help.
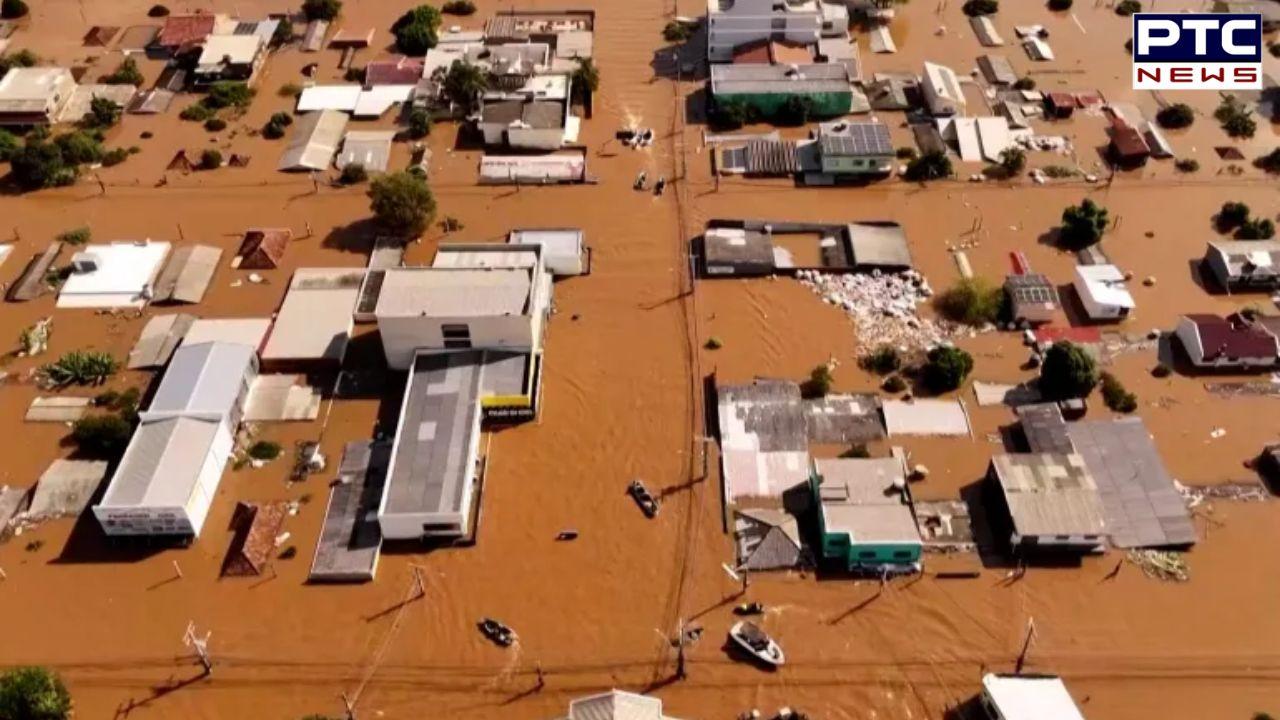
x: 859, y: 139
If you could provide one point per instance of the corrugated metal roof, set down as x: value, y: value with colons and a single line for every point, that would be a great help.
x: 160, y: 337
x: 203, y: 379
x: 370, y: 149
x: 187, y: 275
x: 616, y: 705
x: 765, y: 79
x: 314, y: 141
x: 162, y: 464
x: 1050, y: 494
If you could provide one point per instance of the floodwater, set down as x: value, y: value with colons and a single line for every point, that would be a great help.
x: 623, y: 399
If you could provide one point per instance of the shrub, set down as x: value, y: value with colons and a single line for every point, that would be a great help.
x: 905, y: 153
x: 1161, y: 371
x: 272, y: 130
x: 932, y: 165
x: 9, y: 144
x: 264, y: 450
x: 1024, y: 83
x: 76, y: 237
x: 13, y: 9
x: 104, y: 436
x: 818, y: 384
x: 283, y: 34
x: 946, y: 369
x: 289, y: 90
x: 881, y: 361
x: 158, y: 11
x: 676, y: 32
x: 1256, y: 229
x: 114, y: 157
x: 1083, y: 225
x: 283, y: 119
x: 464, y: 83
x: 1187, y: 165
x: 1013, y: 161
x: 1274, y: 49
x: 197, y: 112
x: 79, y: 147
x: 1060, y: 5
x: 1236, y: 120
x: 126, y: 73
x: 79, y: 367
x: 972, y: 301
x: 123, y: 402
x: 415, y: 31
x: 210, y: 159
x: 1060, y: 172
x: 974, y: 8
x: 1176, y: 116
x: 228, y: 93
x: 321, y: 9
x: 458, y: 7
x: 894, y: 384
x: 402, y: 203
x: 1231, y: 216
x: 39, y: 164
x: 215, y: 124
x: 33, y: 693
x: 1068, y: 371
x: 1269, y: 163
x: 586, y: 79
x: 353, y: 174
x: 728, y: 114
x: 354, y: 74
x: 20, y: 59
x: 1116, y: 396
x: 1125, y: 8
x: 713, y: 343
x: 419, y: 123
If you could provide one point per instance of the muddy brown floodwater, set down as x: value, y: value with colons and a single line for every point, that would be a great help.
x: 623, y: 399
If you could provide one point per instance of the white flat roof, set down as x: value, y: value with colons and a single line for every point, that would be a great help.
x: 455, y: 292
x: 329, y: 97
x: 125, y: 269
x: 1030, y: 698
x: 247, y: 331
x: 35, y: 83
x: 1105, y: 284
x: 314, y: 322
x: 377, y: 100
x: 235, y: 49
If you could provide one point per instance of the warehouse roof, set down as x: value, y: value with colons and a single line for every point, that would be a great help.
x: 314, y: 141
x: 314, y: 322
x: 203, y: 379
x: 1030, y: 697
x: 455, y: 292
x: 786, y: 79
x: 162, y: 464
x: 1049, y: 494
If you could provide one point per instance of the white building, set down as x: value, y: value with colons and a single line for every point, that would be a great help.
x: 534, y: 117
x: 1028, y: 697
x: 732, y: 23
x: 494, y: 297
x: 941, y: 89
x: 230, y: 57
x: 564, y: 251
x: 34, y: 96
x: 170, y: 472
x: 109, y: 275
x: 616, y: 705
x: 1103, y: 292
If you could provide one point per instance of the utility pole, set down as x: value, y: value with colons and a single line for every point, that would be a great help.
x: 1026, y: 645
x: 350, y: 707
x: 680, y: 671
x: 200, y: 645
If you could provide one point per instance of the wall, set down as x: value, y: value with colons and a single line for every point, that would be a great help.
x: 857, y: 165
x: 402, y: 336
x: 534, y: 138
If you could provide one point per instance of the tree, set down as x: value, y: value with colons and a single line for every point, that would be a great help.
x: 1176, y: 116
x: 9, y: 144
x: 1083, y: 224
x: 1116, y: 396
x: 1024, y: 83
x: 353, y: 174
x: 946, y: 368
x: 933, y: 165
x: 882, y: 361
x: 974, y: 8
x: 972, y: 301
x: 13, y: 9
x: 1231, y: 216
x: 1068, y: 371
x: 321, y: 9
x: 103, y: 436
x: 39, y: 164
x: 33, y: 693
x: 228, y: 93
x: 676, y: 32
x: 1060, y: 5
x: 419, y: 123
x: 1125, y: 8
x: 796, y: 110
x: 819, y: 382
x: 1256, y: 229
x: 76, y: 236
x: 586, y: 79
x: 284, y: 33
x: 1013, y: 160
x: 264, y: 450
x: 402, y: 203
x: 729, y: 114
x: 20, y: 59
x: 459, y: 7
x: 1236, y: 120
x: 415, y: 31
x: 1269, y: 163
x: 79, y: 367
x: 464, y: 84
x: 79, y: 147
x: 210, y: 159
x: 215, y: 124
x: 158, y: 11
x: 103, y: 112
x: 126, y: 73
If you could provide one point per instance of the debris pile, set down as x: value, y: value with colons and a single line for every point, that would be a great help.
x: 1160, y: 564
x: 1239, y: 492
x: 882, y: 307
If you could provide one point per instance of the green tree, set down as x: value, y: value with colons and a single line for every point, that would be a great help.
x: 416, y: 30
x: 974, y: 8
x: 1176, y: 116
x: 419, y: 123
x: 228, y: 93
x: 39, y: 164
x: 1115, y: 396
x: 1231, y: 216
x: 586, y: 79
x: 933, y: 165
x: 972, y: 301
x: 1013, y: 161
x: 1269, y: 163
x: 210, y: 159
x: 796, y: 110
x: 353, y: 174
x: 819, y: 382
x: 13, y: 9
x: 79, y: 147
x: 321, y: 9
x: 102, y: 436
x: 464, y: 84
x: 729, y: 114
x: 103, y: 112
x: 284, y: 33
x: 676, y: 32
x: 1068, y: 371
x: 1083, y: 224
x: 79, y: 367
x: 1236, y: 119
x: 20, y: 59
x: 1126, y: 8
x: 946, y: 368
x: 33, y: 693
x: 402, y: 203
x: 126, y: 73
x: 1256, y: 229
x: 459, y: 7
x: 76, y: 236
x: 9, y: 144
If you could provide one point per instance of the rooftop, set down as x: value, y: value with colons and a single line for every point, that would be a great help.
x: 455, y: 292
x: 229, y: 49
x: 182, y: 30
x: 538, y: 114
x: 1232, y: 337
x: 124, y: 272
x: 753, y: 79
x: 1030, y: 288
x: 1030, y: 697
x: 1248, y: 257
x: 861, y: 481
x: 855, y: 139
x: 616, y: 705
x: 35, y: 85
x: 162, y: 464
x: 399, y: 70
x: 202, y: 379
x: 871, y: 523
x: 1105, y: 284
x: 1049, y: 494
x: 314, y: 322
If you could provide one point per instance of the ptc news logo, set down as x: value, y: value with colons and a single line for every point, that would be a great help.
x: 1197, y: 51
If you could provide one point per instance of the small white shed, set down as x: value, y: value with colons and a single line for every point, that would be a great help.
x: 1103, y: 292
x: 563, y: 249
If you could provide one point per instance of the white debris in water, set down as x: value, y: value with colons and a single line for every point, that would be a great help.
x: 882, y: 307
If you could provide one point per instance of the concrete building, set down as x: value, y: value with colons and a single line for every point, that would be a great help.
x: 564, y: 250
x: 855, y: 149
x: 474, y: 296
x: 229, y: 57
x: 769, y: 89
x: 1232, y: 342
x: 1102, y: 292
x: 535, y: 116
x: 170, y: 472
x: 313, y: 326
x: 1244, y: 265
x: 733, y: 23
x: 616, y: 705
x: 35, y: 96
x: 863, y: 519
x: 941, y: 89
x: 117, y: 274
x: 1049, y: 503
x: 1027, y: 697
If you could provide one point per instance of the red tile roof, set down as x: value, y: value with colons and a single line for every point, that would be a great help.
x: 181, y: 30
x: 399, y: 70
x: 772, y: 52
x: 1232, y: 338
x: 1128, y: 141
